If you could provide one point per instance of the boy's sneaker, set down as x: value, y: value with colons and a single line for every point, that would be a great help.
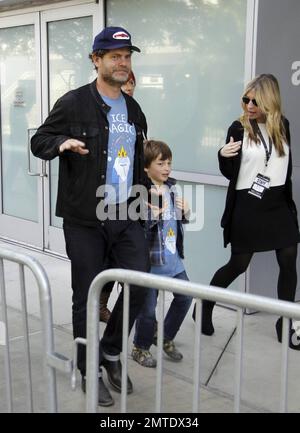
x: 169, y: 349
x: 143, y: 357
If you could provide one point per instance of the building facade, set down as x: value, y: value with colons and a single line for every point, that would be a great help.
x: 196, y: 57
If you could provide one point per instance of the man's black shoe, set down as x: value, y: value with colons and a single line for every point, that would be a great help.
x: 114, y: 375
x: 104, y: 397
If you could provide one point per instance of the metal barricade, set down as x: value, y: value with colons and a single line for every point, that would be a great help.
x: 51, y: 359
x: 242, y: 301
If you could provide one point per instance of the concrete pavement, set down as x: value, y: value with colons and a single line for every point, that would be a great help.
x: 262, y: 356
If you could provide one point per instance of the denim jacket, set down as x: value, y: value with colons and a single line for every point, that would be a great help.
x: 154, y: 231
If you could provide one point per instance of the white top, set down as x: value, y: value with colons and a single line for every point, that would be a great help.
x: 253, y: 162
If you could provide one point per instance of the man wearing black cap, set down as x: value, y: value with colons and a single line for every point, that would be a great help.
x: 97, y: 131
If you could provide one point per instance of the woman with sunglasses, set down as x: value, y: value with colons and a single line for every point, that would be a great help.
x: 260, y: 214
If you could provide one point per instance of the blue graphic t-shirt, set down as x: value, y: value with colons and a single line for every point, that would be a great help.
x: 120, y: 155
x: 173, y: 263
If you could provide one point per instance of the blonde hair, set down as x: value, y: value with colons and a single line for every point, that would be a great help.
x: 267, y: 96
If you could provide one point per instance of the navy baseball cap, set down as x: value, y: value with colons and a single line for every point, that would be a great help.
x: 113, y: 37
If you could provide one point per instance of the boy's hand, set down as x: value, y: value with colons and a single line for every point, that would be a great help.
x: 183, y: 205
x: 156, y: 210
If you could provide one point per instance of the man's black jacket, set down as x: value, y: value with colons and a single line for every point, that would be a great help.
x: 82, y: 114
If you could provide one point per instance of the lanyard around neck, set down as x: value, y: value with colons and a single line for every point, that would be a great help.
x: 268, y: 150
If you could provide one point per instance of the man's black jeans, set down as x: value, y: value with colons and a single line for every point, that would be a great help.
x: 88, y: 248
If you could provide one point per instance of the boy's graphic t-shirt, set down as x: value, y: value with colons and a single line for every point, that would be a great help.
x: 120, y: 155
x: 173, y: 263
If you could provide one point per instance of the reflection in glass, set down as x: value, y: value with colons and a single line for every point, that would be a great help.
x: 204, y: 248
x: 69, y: 43
x: 190, y: 72
x: 18, y: 114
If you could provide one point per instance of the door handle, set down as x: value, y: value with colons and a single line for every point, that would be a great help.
x: 30, y: 133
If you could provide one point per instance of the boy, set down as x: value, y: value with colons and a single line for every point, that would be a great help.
x: 165, y: 235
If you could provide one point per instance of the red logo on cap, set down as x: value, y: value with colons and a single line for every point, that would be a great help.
x: 121, y: 35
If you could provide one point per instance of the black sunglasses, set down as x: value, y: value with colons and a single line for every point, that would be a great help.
x: 247, y: 100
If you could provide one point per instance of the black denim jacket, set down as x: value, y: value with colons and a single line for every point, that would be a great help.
x: 82, y: 114
x: 154, y: 230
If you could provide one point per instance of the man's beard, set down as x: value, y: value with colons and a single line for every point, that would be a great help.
x: 109, y: 79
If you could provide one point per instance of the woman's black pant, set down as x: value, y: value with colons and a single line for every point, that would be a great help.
x: 238, y: 264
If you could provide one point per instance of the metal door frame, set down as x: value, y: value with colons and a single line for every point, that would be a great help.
x: 10, y: 226
x: 54, y: 238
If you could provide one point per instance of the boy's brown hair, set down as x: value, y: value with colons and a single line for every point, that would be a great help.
x: 154, y: 148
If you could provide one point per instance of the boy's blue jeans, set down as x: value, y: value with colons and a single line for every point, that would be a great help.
x: 146, y: 321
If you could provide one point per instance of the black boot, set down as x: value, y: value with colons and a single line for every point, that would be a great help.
x: 114, y: 375
x: 104, y: 397
x: 207, y: 327
x: 294, y: 340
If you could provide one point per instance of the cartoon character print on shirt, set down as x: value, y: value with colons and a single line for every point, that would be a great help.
x: 171, y: 241
x: 170, y: 226
x: 121, y: 166
x: 121, y: 149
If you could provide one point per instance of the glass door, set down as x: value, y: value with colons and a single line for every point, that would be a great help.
x: 67, y: 39
x: 42, y: 56
x: 21, y: 206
